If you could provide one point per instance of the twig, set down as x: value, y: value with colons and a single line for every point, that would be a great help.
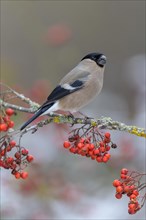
x: 16, y: 107
x: 32, y: 104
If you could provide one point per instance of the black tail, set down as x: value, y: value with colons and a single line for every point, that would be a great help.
x: 36, y: 115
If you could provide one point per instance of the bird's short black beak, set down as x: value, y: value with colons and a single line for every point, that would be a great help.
x: 102, y: 60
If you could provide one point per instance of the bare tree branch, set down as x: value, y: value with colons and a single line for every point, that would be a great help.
x: 16, y: 107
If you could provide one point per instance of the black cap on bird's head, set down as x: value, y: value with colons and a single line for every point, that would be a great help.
x: 99, y: 58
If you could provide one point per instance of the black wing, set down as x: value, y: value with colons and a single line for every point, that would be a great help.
x: 59, y: 92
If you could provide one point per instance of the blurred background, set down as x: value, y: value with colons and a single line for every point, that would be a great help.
x: 40, y: 42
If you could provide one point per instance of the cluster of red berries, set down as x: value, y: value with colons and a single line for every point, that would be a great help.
x: 5, y: 121
x: 127, y: 185
x: 16, y: 163
x: 90, y: 147
x: 8, y: 147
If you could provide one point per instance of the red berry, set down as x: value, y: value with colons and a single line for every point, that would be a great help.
x: 126, y: 189
x: 8, y: 148
x: 119, y: 189
x: 9, y: 160
x: 99, y: 159
x: 66, y: 144
x: 17, y: 155
x: 3, y: 152
x: 132, y: 187
x: 3, y: 127
x: 9, y: 111
x: 17, y: 175
x: 90, y: 152
x: 6, y: 118
x: 82, y: 140
x: 124, y: 171
x: 86, y: 147
x: 24, y: 175
x: 91, y: 146
x: 107, y: 135
x: 105, y: 159
x: 132, y: 206
x: 131, y: 211
x: 76, y: 137
x: 107, y: 148
x: 12, y: 143
x: 1, y: 163
x: 107, y: 155
x: 96, y: 151
x: 132, y: 197
x: 6, y: 166
x: 123, y: 176
x: 118, y: 195
x: 135, y: 192
x: 107, y: 140
x: 10, y: 124
x: 83, y: 153
x: 102, y: 149
x: 93, y: 157
x: 78, y: 151
x: 116, y: 183
x: 73, y: 150
x: 101, y: 144
x: 80, y: 145
x: 24, y: 152
x: 29, y: 158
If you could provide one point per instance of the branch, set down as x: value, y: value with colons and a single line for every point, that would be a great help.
x: 18, y: 95
x: 16, y: 107
x: 33, y: 106
x: 102, y: 123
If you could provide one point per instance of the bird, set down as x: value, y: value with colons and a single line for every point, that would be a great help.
x: 76, y: 89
